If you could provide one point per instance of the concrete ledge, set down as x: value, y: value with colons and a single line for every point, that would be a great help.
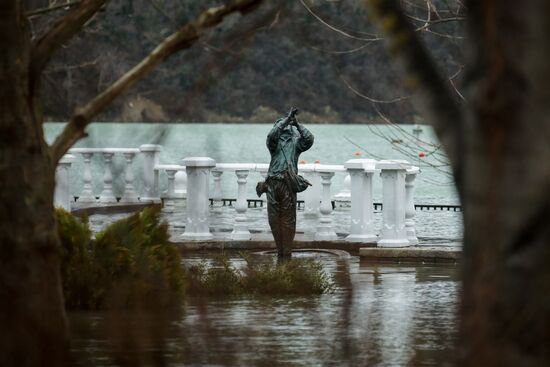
x: 352, y: 248
x: 422, y: 254
x: 112, y: 209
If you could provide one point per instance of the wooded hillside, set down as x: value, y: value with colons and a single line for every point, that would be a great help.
x: 254, y: 74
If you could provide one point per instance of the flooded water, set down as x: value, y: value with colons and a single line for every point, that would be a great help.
x: 379, y: 314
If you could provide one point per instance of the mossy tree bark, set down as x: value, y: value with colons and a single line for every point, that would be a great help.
x: 498, y: 142
x: 31, y: 311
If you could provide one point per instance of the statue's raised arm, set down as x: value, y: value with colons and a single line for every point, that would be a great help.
x: 286, y: 141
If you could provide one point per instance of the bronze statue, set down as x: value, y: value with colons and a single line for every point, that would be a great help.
x: 286, y: 141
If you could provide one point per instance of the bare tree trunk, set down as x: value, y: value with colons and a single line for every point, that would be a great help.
x: 32, y: 314
x: 506, y: 181
x: 499, y: 147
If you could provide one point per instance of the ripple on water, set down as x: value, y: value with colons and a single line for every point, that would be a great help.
x: 377, y: 315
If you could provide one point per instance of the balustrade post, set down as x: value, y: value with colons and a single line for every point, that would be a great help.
x: 217, y: 194
x: 180, y: 184
x: 107, y: 195
x: 169, y: 203
x: 394, y: 233
x: 312, y: 195
x: 151, y: 154
x: 198, y: 203
x: 361, y: 172
x: 240, y: 230
x: 62, y: 195
x: 410, y: 211
x: 87, y: 194
x: 325, y: 232
x: 130, y: 195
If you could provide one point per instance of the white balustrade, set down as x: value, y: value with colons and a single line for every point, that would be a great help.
x: 198, y: 175
x: 62, y: 195
x: 169, y: 194
x: 240, y: 230
x: 361, y: 172
x: 312, y: 195
x: 130, y: 195
x: 151, y: 153
x: 325, y: 232
x: 107, y: 195
x: 394, y: 203
x: 398, y: 227
x: 217, y: 194
x: 87, y: 195
x: 410, y: 211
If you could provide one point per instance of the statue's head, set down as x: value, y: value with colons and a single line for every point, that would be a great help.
x: 288, y: 132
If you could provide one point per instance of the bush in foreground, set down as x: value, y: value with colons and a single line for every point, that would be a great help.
x: 130, y: 263
x: 294, y: 277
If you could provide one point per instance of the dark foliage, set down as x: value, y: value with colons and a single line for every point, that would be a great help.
x: 129, y: 264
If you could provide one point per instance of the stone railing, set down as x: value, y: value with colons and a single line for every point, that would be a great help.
x: 398, y: 228
x: 192, y: 180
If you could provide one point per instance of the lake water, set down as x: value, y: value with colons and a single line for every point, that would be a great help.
x: 245, y: 143
x: 379, y: 315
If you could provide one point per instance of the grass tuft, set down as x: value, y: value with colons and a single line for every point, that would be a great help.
x: 294, y: 277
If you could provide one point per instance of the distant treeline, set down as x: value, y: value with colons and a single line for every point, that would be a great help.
x: 250, y: 69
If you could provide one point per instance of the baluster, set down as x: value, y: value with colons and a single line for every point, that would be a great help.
x: 198, y: 203
x: 264, y: 196
x: 130, y: 195
x: 180, y: 184
x: 410, y: 211
x: 217, y: 194
x: 394, y: 202
x: 62, y: 196
x: 312, y: 195
x: 151, y: 153
x: 107, y: 195
x: 240, y: 230
x: 169, y: 203
x: 361, y: 172
x: 325, y: 232
x: 87, y: 194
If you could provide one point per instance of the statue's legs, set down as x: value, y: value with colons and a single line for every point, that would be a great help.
x: 281, y: 213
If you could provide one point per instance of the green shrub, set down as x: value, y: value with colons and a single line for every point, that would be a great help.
x: 294, y: 277
x: 130, y: 263
x: 76, y: 260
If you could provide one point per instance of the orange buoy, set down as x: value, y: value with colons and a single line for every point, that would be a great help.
x: 357, y: 154
x: 421, y: 154
x: 302, y: 161
x: 317, y: 161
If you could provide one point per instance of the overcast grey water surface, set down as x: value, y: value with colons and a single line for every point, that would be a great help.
x: 378, y: 315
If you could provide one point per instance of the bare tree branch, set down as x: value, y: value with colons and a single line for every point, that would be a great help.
x: 423, y: 77
x: 62, y: 32
x: 182, y: 39
x: 39, y: 12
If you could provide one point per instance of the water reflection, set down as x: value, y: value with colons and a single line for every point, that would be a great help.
x: 378, y: 315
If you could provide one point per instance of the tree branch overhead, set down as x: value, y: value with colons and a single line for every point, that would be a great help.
x: 422, y: 75
x: 184, y: 38
x: 62, y: 32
